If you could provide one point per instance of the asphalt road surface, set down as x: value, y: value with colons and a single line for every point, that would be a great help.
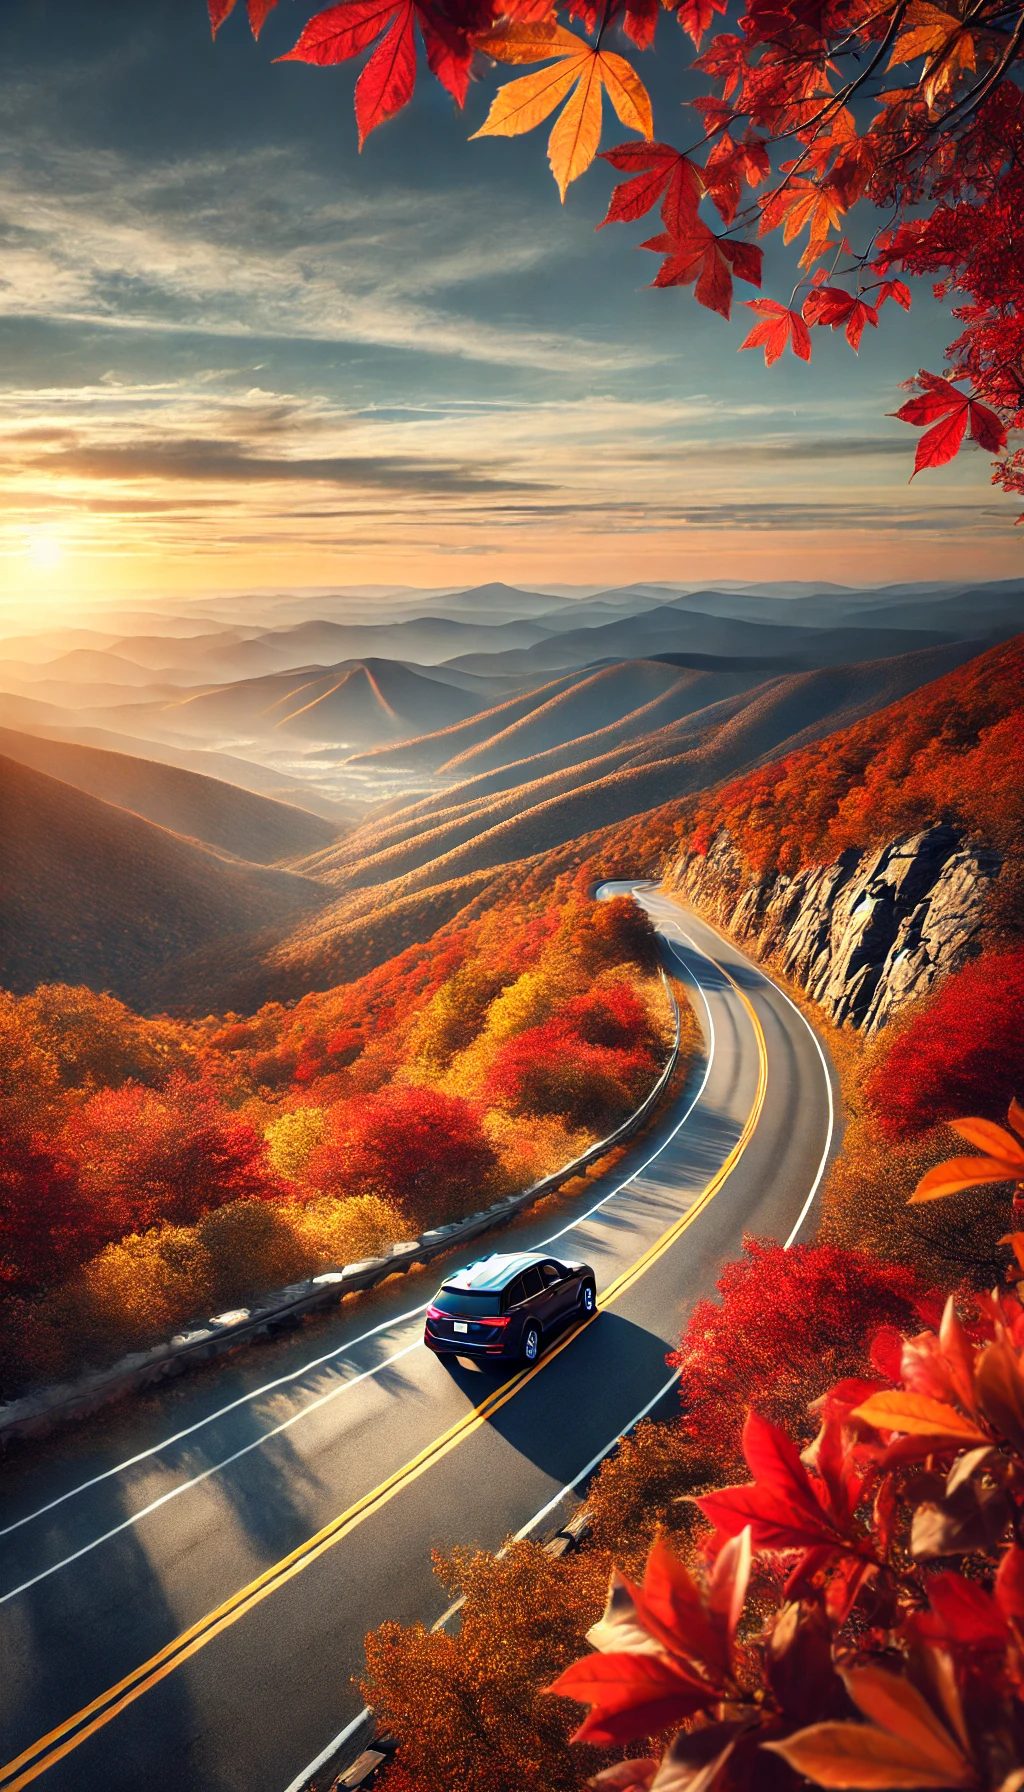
x: 187, y: 1580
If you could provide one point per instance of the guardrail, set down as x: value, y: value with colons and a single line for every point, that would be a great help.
x: 35, y: 1414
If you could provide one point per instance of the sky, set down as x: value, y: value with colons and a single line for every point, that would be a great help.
x: 234, y: 352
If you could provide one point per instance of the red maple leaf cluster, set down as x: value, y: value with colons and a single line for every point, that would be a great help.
x: 940, y: 155
x: 829, y: 1638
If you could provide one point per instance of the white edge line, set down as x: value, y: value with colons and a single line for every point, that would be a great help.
x: 332, y: 1393
x: 307, y: 1773
x: 823, y: 1165
x: 302, y: 1780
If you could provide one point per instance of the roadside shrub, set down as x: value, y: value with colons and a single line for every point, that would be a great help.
x: 643, y: 1487
x: 465, y: 1708
x: 788, y: 1325
x: 960, y: 1053
x: 335, y: 1232
x: 251, y: 1247
x: 423, y: 1152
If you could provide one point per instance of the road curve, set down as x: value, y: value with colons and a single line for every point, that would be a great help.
x: 187, y: 1582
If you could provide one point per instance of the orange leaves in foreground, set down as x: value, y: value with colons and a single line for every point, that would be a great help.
x: 867, y: 1669
x: 1003, y: 1159
x: 581, y: 73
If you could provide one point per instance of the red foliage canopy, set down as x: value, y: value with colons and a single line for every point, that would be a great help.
x: 420, y: 1149
x: 948, y: 751
x: 783, y: 1318
x: 172, y: 1155
x: 47, y: 1226
x: 907, y: 109
x: 964, y: 1054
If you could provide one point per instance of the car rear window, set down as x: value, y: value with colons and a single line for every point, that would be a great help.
x: 467, y: 1303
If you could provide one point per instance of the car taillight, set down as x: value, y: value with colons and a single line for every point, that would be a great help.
x: 496, y: 1319
x: 436, y: 1313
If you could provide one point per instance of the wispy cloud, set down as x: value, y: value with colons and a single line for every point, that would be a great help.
x: 262, y: 248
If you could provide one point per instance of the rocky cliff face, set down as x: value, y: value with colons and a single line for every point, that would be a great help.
x: 863, y: 935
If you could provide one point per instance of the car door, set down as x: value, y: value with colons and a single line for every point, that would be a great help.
x: 562, y: 1290
x: 537, y: 1301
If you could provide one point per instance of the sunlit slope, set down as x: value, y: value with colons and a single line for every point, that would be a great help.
x: 205, y: 808
x: 428, y: 752
x: 936, y: 727
x: 612, y: 705
x: 90, y: 893
x: 473, y: 825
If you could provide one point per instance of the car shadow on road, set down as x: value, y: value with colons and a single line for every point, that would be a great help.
x: 580, y: 1398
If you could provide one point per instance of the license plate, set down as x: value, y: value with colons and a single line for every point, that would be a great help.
x: 457, y: 1326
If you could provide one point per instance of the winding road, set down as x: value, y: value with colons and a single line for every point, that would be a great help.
x: 188, y: 1579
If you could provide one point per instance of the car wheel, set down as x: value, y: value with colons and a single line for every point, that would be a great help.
x: 530, y: 1347
x: 588, y: 1299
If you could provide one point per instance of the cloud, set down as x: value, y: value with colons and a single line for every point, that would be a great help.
x: 262, y: 248
x: 769, y: 450
x: 225, y: 462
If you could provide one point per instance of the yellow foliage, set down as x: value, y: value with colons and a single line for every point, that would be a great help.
x: 465, y: 1708
x: 251, y: 1247
x: 292, y: 1139
x: 533, y: 1145
x: 145, y: 1286
x: 335, y: 1232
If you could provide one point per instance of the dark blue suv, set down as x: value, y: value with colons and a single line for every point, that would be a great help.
x: 508, y: 1306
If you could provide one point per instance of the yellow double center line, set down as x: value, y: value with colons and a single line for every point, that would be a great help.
x: 67, y: 1736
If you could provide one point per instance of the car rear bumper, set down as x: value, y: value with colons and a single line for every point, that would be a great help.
x: 466, y: 1346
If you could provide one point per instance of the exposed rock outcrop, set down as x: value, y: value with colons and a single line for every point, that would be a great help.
x: 863, y: 935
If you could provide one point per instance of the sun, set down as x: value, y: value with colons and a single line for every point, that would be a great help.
x: 44, y: 551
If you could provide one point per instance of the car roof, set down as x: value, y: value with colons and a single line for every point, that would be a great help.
x: 494, y: 1272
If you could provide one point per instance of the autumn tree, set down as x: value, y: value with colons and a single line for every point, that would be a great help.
x: 787, y: 1324
x: 147, y: 1156
x: 964, y: 1050
x: 419, y: 1149
x: 48, y: 1225
x: 883, y: 138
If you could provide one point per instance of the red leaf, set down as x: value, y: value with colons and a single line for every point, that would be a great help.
x: 746, y: 259
x: 940, y: 444
x: 660, y: 173
x: 962, y: 1612
x: 695, y: 16
x: 833, y: 305
x: 986, y: 428
x: 781, y: 1505
x: 630, y: 1695
x: 937, y: 399
x: 387, y: 82
x: 640, y: 21
x: 778, y: 327
x: 724, y: 60
x: 894, y: 289
x: 1010, y: 1585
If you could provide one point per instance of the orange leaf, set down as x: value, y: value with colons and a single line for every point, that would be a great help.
x: 859, y: 1755
x: 522, y: 104
x: 963, y: 1172
x: 917, y: 1415
x: 896, y: 1706
x: 989, y: 1137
